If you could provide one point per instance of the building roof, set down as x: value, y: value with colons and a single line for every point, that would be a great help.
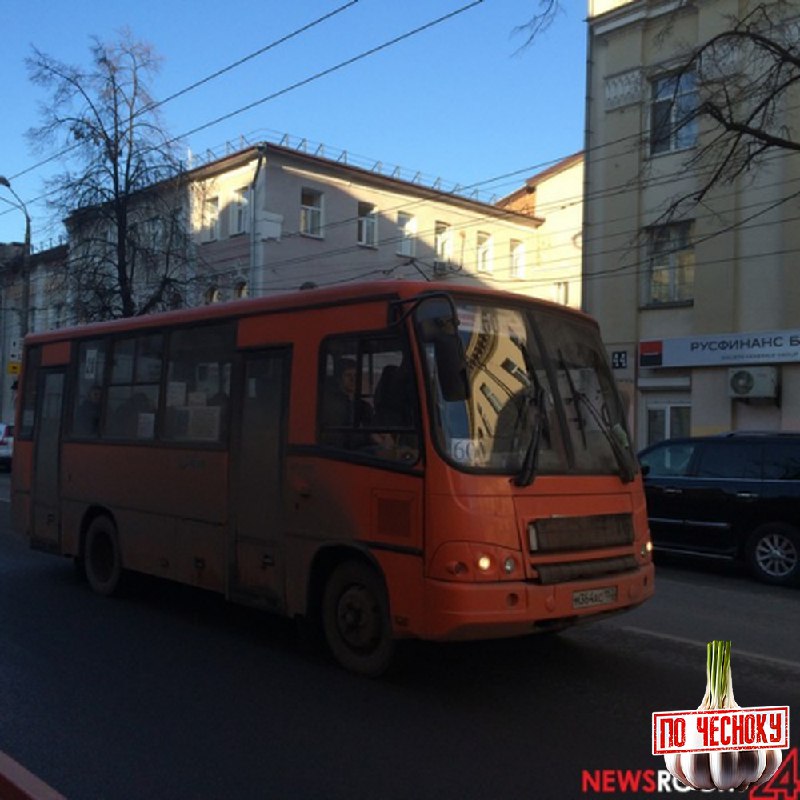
x: 532, y: 182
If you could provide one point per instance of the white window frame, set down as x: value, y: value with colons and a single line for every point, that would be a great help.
x: 211, y: 218
x: 443, y: 241
x: 667, y: 407
x: 516, y: 258
x: 407, y: 228
x: 240, y: 205
x: 673, y: 113
x: 367, y: 225
x: 484, y: 252
x: 561, y: 292
x: 670, y: 253
x: 312, y: 219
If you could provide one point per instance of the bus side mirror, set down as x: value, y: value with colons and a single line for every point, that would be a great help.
x: 437, y: 323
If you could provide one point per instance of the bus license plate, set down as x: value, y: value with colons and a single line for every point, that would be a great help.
x: 594, y: 597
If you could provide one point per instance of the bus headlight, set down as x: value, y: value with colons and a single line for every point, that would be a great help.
x: 470, y: 562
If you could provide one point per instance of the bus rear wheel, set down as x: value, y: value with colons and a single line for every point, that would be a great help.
x: 355, y: 619
x: 101, y: 557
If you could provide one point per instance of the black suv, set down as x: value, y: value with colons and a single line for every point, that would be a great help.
x: 732, y: 496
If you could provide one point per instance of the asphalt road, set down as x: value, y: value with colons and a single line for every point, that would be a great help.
x: 171, y: 693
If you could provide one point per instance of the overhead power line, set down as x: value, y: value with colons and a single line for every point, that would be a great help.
x: 249, y: 57
x: 330, y: 70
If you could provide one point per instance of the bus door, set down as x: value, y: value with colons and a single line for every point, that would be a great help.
x: 257, y: 474
x: 46, y: 463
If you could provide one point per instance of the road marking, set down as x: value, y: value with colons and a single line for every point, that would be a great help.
x: 776, y: 662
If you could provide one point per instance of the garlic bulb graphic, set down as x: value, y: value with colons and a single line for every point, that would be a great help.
x: 729, y: 769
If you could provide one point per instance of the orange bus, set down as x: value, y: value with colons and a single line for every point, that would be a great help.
x: 388, y: 460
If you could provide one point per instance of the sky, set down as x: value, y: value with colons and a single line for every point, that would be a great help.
x: 461, y: 101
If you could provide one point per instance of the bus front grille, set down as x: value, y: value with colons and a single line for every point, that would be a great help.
x: 584, y: 570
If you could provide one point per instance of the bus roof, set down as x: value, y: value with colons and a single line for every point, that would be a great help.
x: 342, y: 294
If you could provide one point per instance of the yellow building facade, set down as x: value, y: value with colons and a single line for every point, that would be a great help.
x: 700, y: 309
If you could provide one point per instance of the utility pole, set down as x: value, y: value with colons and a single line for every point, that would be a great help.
x: 26, y: 259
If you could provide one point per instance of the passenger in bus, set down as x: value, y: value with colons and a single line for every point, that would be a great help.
x: 87, y: 417
x: 394, y: 404
x: 343, y: 410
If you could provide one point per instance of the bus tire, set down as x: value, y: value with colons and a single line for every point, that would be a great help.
x: 355, y: 619
x: 101, y: 557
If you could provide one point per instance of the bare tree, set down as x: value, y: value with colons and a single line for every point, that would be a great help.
x: 746, y: 106
x: 539, y: 21
x: 121, y: 190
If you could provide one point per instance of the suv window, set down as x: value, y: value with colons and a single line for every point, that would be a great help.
x: 670, y: 460
x: 726, y: 459
x: 782, y: 461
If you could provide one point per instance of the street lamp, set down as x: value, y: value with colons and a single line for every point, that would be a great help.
x: 26, y: 254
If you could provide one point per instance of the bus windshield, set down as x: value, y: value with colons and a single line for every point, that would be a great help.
x: 542, y: 397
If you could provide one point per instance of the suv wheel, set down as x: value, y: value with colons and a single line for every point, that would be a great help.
x: 773, y: 553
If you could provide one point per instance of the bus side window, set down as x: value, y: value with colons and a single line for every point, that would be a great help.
x: 28, y: 417
x: 133, y: 393
x: 368, y: 398
x: 89, y: 392
x: 199, y: 384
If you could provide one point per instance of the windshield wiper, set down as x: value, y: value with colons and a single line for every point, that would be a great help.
x: 528, y: 470
x: 534, y: 395
x: 575, y: 397
x: 616, y: 437
x: 614, y: 434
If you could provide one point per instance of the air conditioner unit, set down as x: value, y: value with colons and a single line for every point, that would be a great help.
x: 441, y: 268
x: 753, y: 382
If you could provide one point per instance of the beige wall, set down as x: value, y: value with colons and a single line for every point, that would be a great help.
x: 743, y: 267
x: 284, y: 257
x: 556, y: 197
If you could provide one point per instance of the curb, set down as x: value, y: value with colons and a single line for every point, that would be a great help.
x: 16, y: 783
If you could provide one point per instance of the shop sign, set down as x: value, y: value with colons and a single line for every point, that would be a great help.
x: 760, y: 347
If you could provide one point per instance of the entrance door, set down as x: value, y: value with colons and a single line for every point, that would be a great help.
x: 47, y: 437
x: 258, y: 572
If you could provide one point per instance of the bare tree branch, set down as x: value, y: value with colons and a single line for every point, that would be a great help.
x: 122, y: 171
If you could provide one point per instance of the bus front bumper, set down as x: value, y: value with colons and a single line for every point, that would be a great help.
x: 464, y: 611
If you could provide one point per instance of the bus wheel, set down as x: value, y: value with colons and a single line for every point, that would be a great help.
x: 355, y: 619
x: 101, y: 557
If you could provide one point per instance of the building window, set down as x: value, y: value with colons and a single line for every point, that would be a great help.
x: 239, y: 209
x: 241, y: 290
x: 407, y: 232
x: 516, y: 255
x: 484, y: 252
x: 212, y: 295
x: 561, y: 292
x: 311, y: 212
x: 494, y: 400
x: 442, y: 241
x: 668, y: 420
x: 670, y: 267
x: 211, y: 218
x: 673, y: 113
x: 367, y: 225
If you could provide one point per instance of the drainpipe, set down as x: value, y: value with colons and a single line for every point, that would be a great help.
x: 262, y: 151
